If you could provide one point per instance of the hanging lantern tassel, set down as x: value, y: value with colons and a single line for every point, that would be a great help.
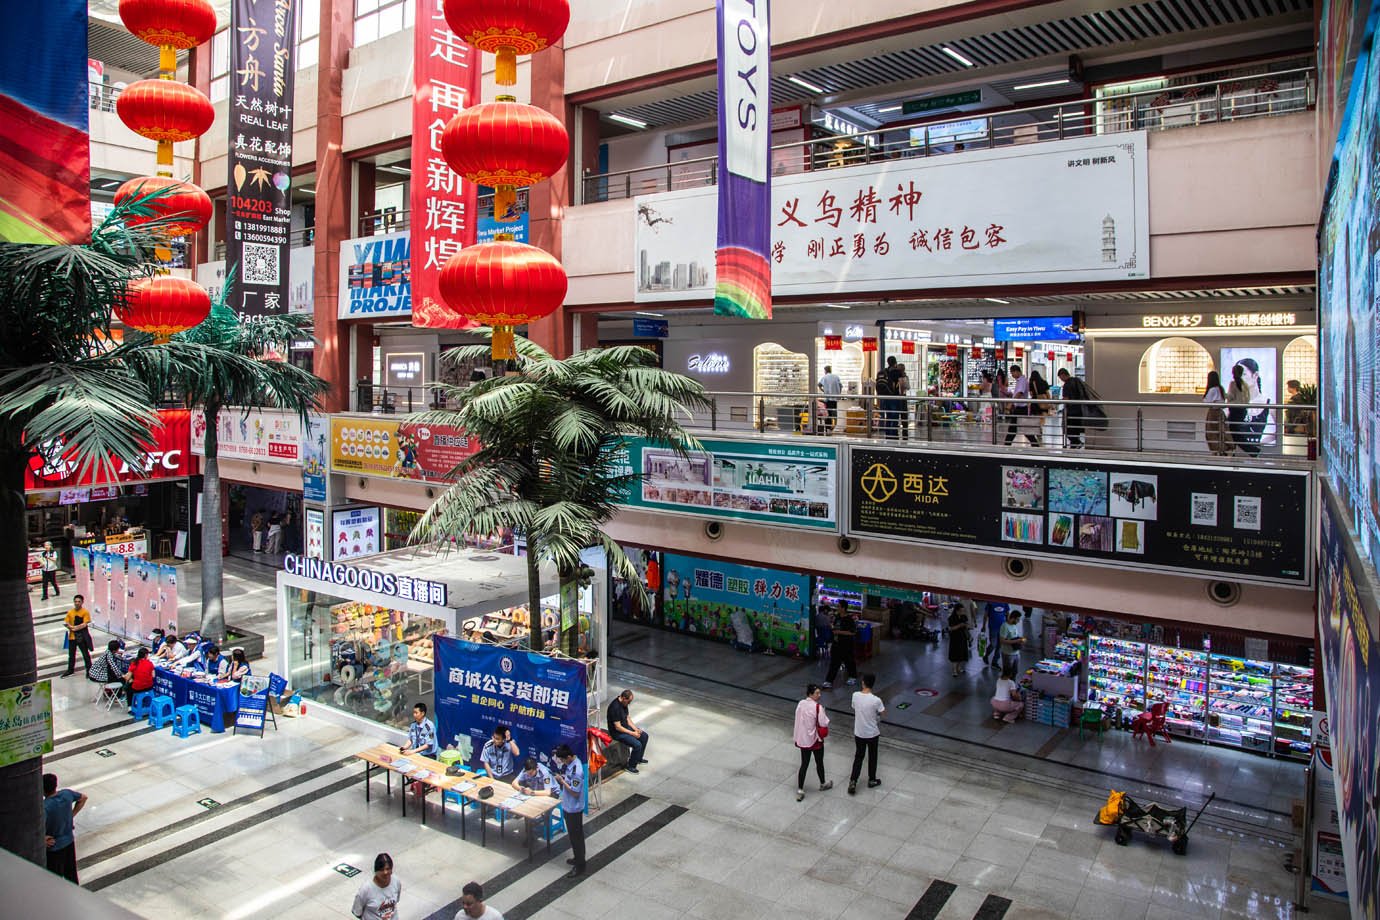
x: 503, y: 344
x: 505, y: 65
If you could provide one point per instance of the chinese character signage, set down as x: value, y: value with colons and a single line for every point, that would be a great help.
x: 742, y: 260
x: 356, y: 532
x: 389, y: 584
x: 1064, y: 211
x: 258, y: 216
x: 376, y: 277
x: 1218, y: 522
x: 786, y: 485
x: 541, y: 700
x: 446, y: 74
x: 1349, y: 639
x: 45, y: 153
x: 258, y: 434
x: 715, y: 599
x: 398, y: 450
x: 1035, y: 329
x: 26, y: 722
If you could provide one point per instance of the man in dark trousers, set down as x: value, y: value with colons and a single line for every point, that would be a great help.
x: 1075, y: 415
x: 622, y: 728
x: 570, y: 777
x: 60, y: 806
x: 842, y: 652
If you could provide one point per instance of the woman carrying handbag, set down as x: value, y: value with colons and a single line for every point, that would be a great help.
x: 1215, y: 423
x: 811, y: 728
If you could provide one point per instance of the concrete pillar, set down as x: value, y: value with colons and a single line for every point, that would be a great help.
x: 332, y: 358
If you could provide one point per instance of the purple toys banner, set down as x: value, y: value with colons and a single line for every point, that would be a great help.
x: 742, y: 261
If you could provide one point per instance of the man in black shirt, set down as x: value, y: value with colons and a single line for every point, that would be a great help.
x: 622, y: 728
x: 841, y: 655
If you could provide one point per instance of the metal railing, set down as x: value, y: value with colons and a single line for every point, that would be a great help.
x: 366, y: 397
x: 101, y: 96
x: 1267, y: 430
x: 1226, y: 99
x: 373, y: 223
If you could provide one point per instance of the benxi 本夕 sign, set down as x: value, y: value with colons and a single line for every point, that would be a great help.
x: 1063, y: 211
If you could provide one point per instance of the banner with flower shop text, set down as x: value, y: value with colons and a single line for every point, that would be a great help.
x: 446, y: 75
x: 258, y: 215
x: 742, y: 261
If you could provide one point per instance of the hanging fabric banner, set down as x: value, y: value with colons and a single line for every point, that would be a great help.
x: 258, y: 228
x: 167, y: 600
x: 446, y: 72
x: 742, y: 262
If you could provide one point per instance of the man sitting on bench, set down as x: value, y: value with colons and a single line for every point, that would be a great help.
x: 624, y: 729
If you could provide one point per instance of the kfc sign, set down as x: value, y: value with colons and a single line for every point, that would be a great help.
x: 169, y: 457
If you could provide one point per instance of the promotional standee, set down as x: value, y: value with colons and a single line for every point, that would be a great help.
x: 542, y: 700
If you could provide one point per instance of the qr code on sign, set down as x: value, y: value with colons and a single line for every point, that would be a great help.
x: 260, y: 263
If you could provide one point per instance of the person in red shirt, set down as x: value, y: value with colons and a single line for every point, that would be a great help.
x: 140, y: 676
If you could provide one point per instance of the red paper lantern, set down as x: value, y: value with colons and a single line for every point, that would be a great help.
x: 508, y: 29
x: 165, y: 110
x: 164, y: 305
x: 907, y: 347
x: 833, y: 343
x: 869, y: 344
x: 186, y: 202
x: 503, y: 284
x: 170, y: 24
x: 505, y: 145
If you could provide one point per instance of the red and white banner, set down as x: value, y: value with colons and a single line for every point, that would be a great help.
x: 170, y: 457
x: 442, y: 205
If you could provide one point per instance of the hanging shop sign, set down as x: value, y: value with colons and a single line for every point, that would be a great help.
x: 651, y: 328
x: 704, y: 597
x: 1349, y: 638
x: 258, y: 434
x: 942, y: 221
x: 869, y: 343
x: 389, y: 584
x: 488, y: 227
x: 935, y: 103
x: 376, y: 276
x: 833, y: 343
x: 259, y: 209
x: 1035, y: 329
x: 356, y: 532
x: 398, y: 450
x: 171, y: 457
x: 542, y: 701
x: 26, y: 722
x: 1245, y: 525
x: 446, y: 73
x: 784, y: 485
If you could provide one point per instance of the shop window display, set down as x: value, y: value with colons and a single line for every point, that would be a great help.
x: 1301, y: 360
x: 1174, y: 366
x: 778, y: 370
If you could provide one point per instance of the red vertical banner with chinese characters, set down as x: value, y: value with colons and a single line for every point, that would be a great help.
x: 443, y: 206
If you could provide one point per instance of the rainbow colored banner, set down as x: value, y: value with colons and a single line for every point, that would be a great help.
x: 45, y: 151
x: 742, y: 262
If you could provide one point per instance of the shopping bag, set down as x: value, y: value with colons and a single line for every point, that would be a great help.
x: 982, y: 644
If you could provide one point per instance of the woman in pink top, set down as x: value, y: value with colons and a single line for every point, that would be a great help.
x: 810, y: 717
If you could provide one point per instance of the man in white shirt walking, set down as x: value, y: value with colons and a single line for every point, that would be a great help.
x: 867, y: 733
x: 472, y: 904
x: 831, y: 386
x: 1020, y: 407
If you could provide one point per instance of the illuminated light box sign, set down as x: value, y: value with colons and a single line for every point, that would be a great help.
x: 356, y: 532
x: 1216, y: 522
x: 1035, y: 329
x: 712, y: 363
x: 403, y: 587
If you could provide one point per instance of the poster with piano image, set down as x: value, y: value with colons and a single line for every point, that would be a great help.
x: 1219, y: 522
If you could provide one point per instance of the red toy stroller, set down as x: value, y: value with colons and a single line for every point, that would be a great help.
x: 1151, y: 723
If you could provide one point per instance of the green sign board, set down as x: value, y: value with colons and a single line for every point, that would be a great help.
x: 26, y: 722
x: 788, y: 485
x: 935, y: 103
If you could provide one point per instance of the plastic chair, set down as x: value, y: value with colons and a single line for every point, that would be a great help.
x: 1151, y: 723
x: 142, y: 705
x: 109, y: 695
x: 186, y: 722
x: 1092, y: 719
x: 161, y: 711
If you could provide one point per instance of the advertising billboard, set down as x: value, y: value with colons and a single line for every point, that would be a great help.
x: 257, y: 434
x: 1209, y: 521
x: 356, y: 532
x: 398, y: 449
x: 760, y: 482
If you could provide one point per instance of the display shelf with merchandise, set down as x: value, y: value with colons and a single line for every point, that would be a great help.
x: 1293, y: 703
x: 1178, y: 677
x: 508, y: 625
x: 1116, y: 672
x: 1240, y: 705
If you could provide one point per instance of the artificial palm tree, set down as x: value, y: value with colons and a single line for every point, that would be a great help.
x: 67, y: 390
x: 550, y: 463
x: 240, y: 369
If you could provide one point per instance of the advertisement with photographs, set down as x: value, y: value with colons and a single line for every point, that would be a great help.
x: 398, y: 450
x: 274, y: 435
x: 1349, y: 637
x: 753, y: 607
x: 788, y: 486
x: 446, y: 74
x: 1246, y: 525
x: 376, y: 277
x: 1348, y: 291
x: 258, y: 227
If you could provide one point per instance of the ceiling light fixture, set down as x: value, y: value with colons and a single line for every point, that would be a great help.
x: 647, y: 313
x: 806, y: 84
x: 1041, y: 85
x: 628, y: 120
x: 890, y: 108
x: 995, y: 300
x: 956, y: 56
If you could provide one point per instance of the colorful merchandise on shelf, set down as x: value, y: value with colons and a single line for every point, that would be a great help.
x: 1293, y: 710
x: 1179, y: 677
x: 1116, y: 673
x: 1240, y: 710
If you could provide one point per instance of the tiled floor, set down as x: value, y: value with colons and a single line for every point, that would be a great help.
x: 710, y: 829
